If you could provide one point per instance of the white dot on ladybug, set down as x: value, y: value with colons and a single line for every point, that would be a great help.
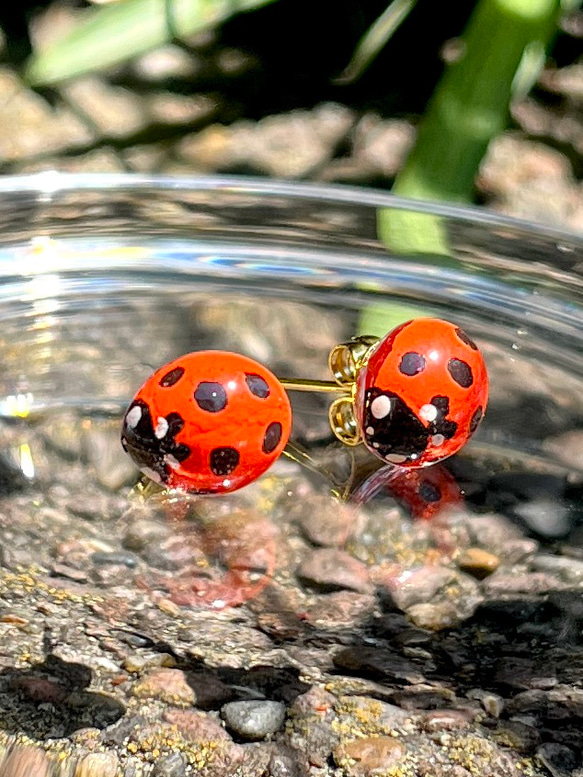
x: 133, y: 417
x: 369, y: 430
x: 438, y: 439
x: 396, y: 458
x: 161, y: 428
x: 150, y: 473
x: 380, y: 407
x: 428, y: 413
x: 226, y: 483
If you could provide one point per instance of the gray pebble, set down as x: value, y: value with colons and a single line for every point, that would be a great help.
x: 253, y: 719
x: 173, y: 765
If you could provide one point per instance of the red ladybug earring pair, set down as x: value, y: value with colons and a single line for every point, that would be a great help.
x: 211, y: 422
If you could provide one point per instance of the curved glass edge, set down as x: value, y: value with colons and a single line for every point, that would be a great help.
x: 48, y: 183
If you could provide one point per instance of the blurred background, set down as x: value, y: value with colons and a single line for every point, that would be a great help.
x: 328, y: 91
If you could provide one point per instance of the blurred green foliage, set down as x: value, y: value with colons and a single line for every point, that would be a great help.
x: 497, y: 57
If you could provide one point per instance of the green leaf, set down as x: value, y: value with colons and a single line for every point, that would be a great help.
x: 374, y: 39
x: 116, y: 33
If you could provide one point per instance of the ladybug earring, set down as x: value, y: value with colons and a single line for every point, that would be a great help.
x: 212, y: 422
x: 209, y: 422
x: 413, y: 398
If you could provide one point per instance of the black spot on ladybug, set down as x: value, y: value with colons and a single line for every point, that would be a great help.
x: 180, y: 452
x: 175, y: 424
x: 272, y: 437
x: 171, y: 378
x: 211, y: 397
x: 257, y: 385
x: 224, y: 460
x: 428, y: 492
x: 476, y: 418
x: 412, y: 363
x: 441, y: 403
x: 465, y: 339
x: 445, y: 427
x: 461, y: 372
x: 399, y: 432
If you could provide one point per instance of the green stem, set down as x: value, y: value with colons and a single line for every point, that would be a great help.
x: 470, y: 105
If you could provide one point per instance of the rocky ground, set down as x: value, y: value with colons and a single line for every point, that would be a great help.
x: 361, y: 641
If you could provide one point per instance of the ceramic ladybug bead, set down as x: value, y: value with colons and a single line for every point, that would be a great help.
x: 209, y: 422
x: 422, y: 393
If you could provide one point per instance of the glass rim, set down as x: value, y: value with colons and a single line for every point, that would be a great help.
x: 51, y: 182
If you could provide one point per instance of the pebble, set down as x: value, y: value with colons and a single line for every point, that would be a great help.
x: 98, y: 765
x: 492, y: 703
x: 446, y: 720
x: 477, y: 562
x: 368, y: 756
x: 504, y: 582
x: 326, y: 522
x: 167, y: 685
x: 195, y: 726
x: 138, y: 662
x: 409, y: 587
x: 143, y: 532
x: 331, y: 569
x: 115, y: 558
x: 254, y: 719
x: 340, y: 609
x: 172, y: 765
x: 568, y: 569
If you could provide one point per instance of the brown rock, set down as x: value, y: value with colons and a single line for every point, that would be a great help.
x: 446, y: 720
x: 341, y: 609
x: 368, y: 756
x: 167, y: 685
x: 325, y: 521
x: 197, y: 727
x: 332, y: 569
x: 478, y: 563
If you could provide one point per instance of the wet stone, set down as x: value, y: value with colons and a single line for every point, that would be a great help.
x: 367, y: 756
x: 341, y: 609
x: 325, y: 521
x: 254, y: 719
x: 330, y: 569
x: 408, y: 587
x: 143, y: 533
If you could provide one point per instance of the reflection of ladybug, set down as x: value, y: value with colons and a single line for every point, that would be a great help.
x: 422, y: 393
x: 208, y: 422
x: 424, y: 492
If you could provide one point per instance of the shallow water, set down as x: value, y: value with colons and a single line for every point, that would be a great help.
x: 102, y: 286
